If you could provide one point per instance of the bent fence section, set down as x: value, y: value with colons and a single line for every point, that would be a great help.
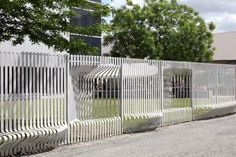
x: 47, y: 100
x: 95, y: 98
x: 33, y: 105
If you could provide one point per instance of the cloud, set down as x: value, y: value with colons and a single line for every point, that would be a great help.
x: 119, y: 3
x: 221, y: 12
x: 213, y: 6
x: 224, y: 21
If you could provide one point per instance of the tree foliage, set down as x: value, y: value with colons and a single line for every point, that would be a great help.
x: 161, y: 29
x: 48, y: 21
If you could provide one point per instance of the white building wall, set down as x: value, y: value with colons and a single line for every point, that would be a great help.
x: 27, y: 46
x: 225, y: 44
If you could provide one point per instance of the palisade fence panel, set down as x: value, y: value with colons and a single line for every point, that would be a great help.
x: 32, y: 102
x: 226, y: 84
x: 96, y: 97
x: 177, y: 89
x: 141, y: 95
x: 213, y: 90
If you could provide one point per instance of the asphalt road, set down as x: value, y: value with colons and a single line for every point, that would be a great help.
x: 208, y: 138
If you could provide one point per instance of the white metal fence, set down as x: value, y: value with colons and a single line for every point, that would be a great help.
x: 51, y: 99
x: 95, y: 96
x: 32, y: 102
x: 141, y: 94
x: 177, y: 80
x: 213, y: 90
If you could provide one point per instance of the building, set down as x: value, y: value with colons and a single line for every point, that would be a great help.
x: 225, y: 44
x: 85, y: 19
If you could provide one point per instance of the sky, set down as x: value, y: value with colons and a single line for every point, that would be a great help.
x: 221, y: 12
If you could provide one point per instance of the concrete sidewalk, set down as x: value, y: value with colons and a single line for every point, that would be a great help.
x: 208, y: 138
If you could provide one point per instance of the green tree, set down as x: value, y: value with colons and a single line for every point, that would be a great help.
x: 161, y: 29
x: 48, y: 21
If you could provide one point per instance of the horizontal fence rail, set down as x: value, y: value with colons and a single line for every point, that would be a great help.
x: 50, y: 99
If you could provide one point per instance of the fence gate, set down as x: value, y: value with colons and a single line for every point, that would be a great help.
x: 96, y: 95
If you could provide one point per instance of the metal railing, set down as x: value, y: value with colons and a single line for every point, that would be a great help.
x: 95, y: 96
x: 51, y: 99
x: 32, y: 101
x: 213, y: 90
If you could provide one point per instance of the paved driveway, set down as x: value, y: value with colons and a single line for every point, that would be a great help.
x: 208, y: 138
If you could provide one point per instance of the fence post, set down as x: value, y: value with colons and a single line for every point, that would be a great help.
x: 161, y: 86
x: 191, y: 90
x: 217, y: 80
x: 235, y: 83
x: 121, y: 96
x: 66, y: 86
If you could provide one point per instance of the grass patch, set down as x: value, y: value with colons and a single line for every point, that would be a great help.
x: 105, y: 108
x: 47, y: 108
x: 181, y: 103
x: 38, y: 109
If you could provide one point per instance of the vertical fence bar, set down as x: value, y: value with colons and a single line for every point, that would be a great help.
x: 34, y: 92
x: 16, y: 103
x: 2, y: 92
x: 55, y: 66
x: 6, y: 95
x: 38, y: 91
x: 5, y: 92
x: 235, y: 82
x: 47, y: 99
x: 61, y: 90
x: 27, y: 84
x: 191, y: 92
x: 66, y: 92
x: 161, y: 87
x: 11, y: 104
x: 217, y: 86
x: 43, y: 87
x: 30, y: 85
x: 51, y: 96
x: 120, y: 95
x: 23, y: 103
x: 19, y: 90
x: 57, y: 97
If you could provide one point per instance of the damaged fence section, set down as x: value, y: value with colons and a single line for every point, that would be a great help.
x: 50, y: 99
